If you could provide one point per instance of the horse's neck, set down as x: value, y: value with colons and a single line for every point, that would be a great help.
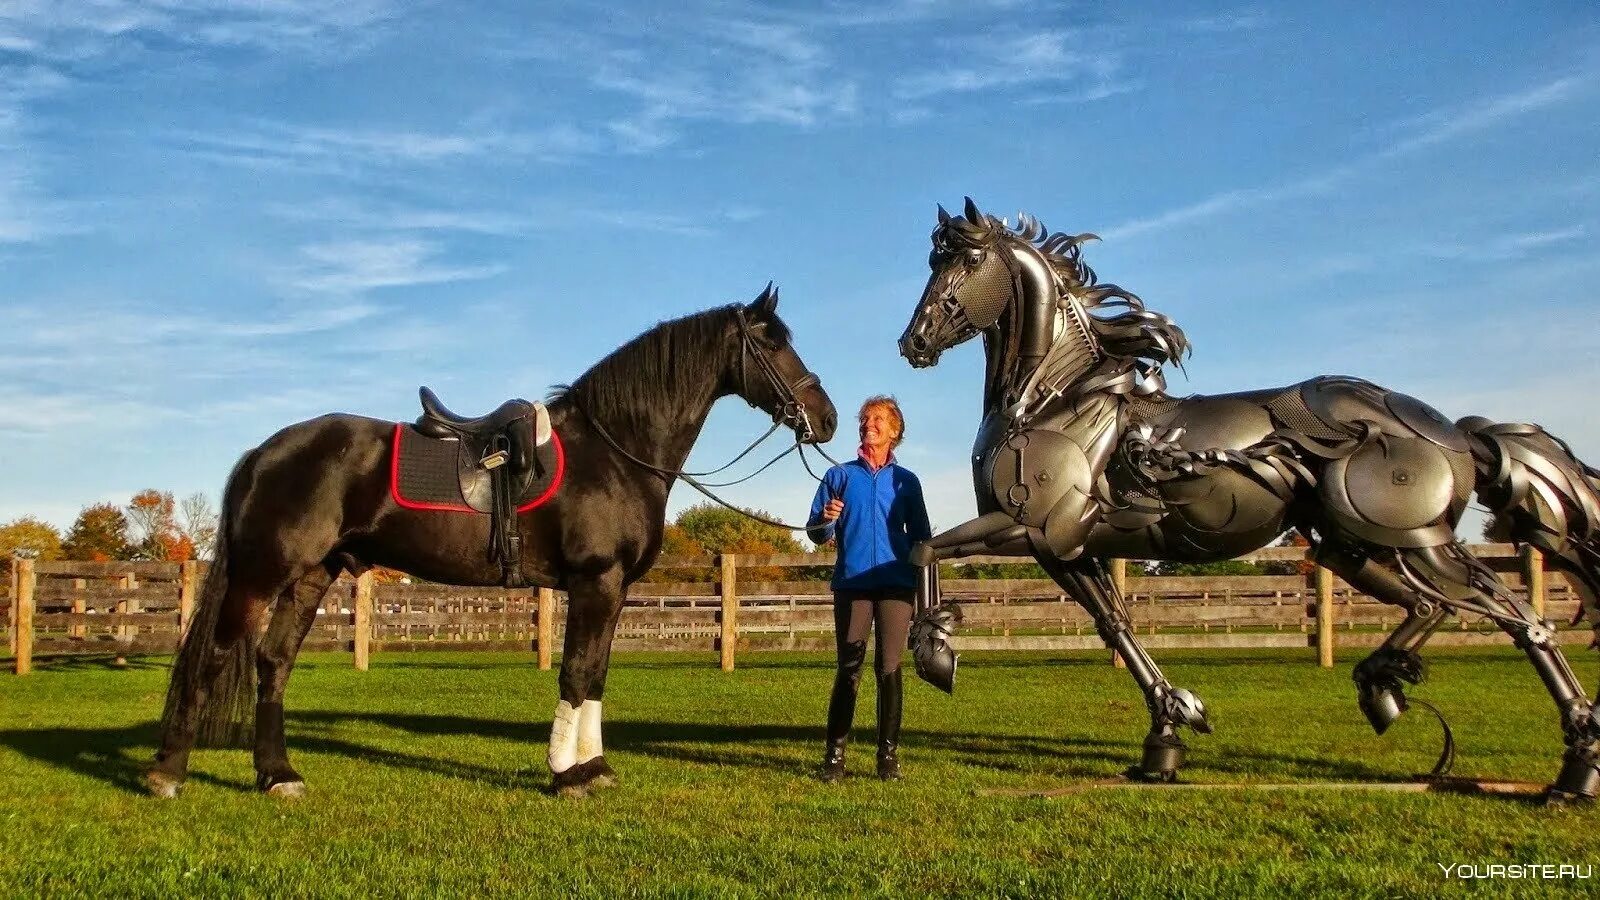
x: 1012, y: 376
x: 663, y: 430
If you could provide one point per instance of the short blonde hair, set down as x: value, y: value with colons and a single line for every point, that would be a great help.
x: 887, y: 403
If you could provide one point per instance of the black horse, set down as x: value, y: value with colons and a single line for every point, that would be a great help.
x: 314, y: 501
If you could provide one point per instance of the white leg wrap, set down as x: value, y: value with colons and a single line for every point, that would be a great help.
x: 564, y: 738
x: 589, y: 730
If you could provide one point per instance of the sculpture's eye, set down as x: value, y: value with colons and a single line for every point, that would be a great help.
x: 973, y: 257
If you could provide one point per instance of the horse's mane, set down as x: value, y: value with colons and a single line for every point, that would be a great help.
x: 641, y: 375
x: 1135, y: 333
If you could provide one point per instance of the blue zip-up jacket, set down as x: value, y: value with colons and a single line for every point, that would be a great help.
x: 884, y: 515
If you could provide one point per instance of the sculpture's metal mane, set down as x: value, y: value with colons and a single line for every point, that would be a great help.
x: 1133, y: 334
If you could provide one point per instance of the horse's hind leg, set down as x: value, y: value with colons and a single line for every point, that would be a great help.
x: 1381, y: 677
x: 296, y: 613
x: 1451, y: 576
x: 1087, y: 580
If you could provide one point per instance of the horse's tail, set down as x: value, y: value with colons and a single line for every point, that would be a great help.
x: 227, y: 715
x: 1539, y: 493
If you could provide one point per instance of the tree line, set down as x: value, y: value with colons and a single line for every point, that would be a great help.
x: 152, y: 526
x: 711, y: 529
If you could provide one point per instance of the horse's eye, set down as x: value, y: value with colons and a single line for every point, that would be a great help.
x: 974, y: 257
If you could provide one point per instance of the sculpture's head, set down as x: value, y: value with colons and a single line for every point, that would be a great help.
x: 969, y: 289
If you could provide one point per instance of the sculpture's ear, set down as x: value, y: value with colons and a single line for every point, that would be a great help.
x: 767, y: 303
x: 972, y: 213
x: 944, y: 217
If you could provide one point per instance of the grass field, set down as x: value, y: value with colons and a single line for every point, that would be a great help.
x: 427, y: 778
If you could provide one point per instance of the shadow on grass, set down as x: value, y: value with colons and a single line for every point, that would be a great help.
x: 118, y: 756
x: 99, y: 661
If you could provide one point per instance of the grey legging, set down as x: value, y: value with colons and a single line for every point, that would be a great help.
x: 854, y: 614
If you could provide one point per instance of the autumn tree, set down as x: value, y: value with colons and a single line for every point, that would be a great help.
x: 152, y: 517
x: 708, y: 528
x: 197, y: 522
x: 29, y: 537
x: 100, y: 533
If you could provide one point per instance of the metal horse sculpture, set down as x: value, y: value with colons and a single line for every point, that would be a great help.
x: 314, y: 501
x: 1083, y: 456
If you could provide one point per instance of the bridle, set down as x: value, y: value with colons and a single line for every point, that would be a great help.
x: 790, y: 411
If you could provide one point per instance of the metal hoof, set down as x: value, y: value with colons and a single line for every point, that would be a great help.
x: 1382, y: 706
x: 287, y: 790
x: 1578, y: 781
x: 160, y: 784
x: 1141, y: 775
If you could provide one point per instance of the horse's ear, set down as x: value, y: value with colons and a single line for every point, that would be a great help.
x: 972, y: 213
x: 767, y: 303
x: 944, y: 217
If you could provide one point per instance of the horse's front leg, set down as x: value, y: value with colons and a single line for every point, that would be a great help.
x: 989, y: 533
x: 994, y: 532
x: 1087, y: 580
x: 577, y: 759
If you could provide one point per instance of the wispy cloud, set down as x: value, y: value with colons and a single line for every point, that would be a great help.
x: 1505, y: 246
x: 1447, y: 125
x: 349, y: 267
x: 528, y: 219
x: 1429, y: 131
x: 1244, y: 20
x: 349, y: 150
x: 995, y: 63
x: 87, y: 29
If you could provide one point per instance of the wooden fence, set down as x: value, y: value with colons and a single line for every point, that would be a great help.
x: 123, y: 608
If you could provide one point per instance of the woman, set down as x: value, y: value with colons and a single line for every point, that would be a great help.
x: 873, y: 509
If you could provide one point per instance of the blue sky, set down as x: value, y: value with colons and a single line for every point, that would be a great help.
x: 220, y: 218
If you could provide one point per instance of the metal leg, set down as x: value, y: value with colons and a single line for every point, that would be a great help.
x: 1381, y: 677
x: 1170, y: 708
x: 1463, y: 583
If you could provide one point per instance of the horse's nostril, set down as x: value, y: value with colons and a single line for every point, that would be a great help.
x: 919, y: 343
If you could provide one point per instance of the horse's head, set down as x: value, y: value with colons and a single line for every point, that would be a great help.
x: 769, y: 374
x: 970, y: 287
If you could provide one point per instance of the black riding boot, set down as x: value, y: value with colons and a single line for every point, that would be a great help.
x: 842, y: 709
x: 889, y: 694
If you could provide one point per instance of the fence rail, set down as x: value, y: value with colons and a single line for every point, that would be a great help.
x: 123, y: 608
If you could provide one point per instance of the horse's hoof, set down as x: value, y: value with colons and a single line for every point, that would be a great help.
x: 287, y: 790
x: 601, y: 775
x: 162, y: 784
x: 574, y: 783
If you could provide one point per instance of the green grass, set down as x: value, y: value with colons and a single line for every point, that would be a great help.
x: 427, y: 778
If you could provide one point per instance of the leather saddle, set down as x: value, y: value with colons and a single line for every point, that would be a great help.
x: 498, y: 459
x: 507, y: 439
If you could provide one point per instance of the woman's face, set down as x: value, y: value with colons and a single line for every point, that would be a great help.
x: 878, y: 432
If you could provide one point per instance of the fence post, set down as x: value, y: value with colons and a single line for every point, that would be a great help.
x: 362, y: 626
x: 1324, y: 617
x: 124, y: 633
x: 79, y: 607
x: 730, y: 608
x: 1119, y: 580
x: 11, y: 611
x: 547, y: 627
x: 22, y: 601
x: 1533, y: 577
x: 188, y: 570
